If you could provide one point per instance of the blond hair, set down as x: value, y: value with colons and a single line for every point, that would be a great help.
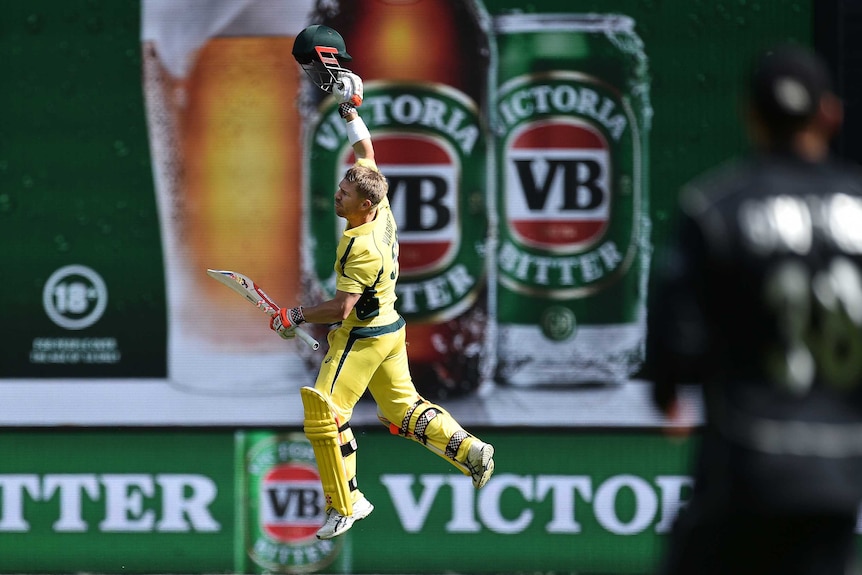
x: 369, y: 182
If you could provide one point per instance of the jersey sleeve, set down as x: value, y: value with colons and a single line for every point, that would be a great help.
x: 679, y: 339
x: 359, y: 269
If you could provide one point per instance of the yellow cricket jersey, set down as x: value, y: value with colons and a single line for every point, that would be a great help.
x: 367, y: 263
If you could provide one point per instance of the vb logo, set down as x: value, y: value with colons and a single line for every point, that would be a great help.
x: 423, y: 174
x: 557, y: 182
x: 291, y: 502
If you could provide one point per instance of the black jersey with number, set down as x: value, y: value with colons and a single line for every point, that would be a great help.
x: 762, y: 303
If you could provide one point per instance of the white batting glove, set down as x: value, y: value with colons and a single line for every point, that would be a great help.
x: 285, y: 322
x: 348, y: 89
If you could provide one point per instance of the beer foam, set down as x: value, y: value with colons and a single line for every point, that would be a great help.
x: 178, y: 29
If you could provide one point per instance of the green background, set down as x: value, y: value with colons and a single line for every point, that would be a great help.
x: 76, y: 183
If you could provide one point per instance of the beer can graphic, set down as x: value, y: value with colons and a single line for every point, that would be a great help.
x: 571, y: 119
x: 281, y: 507
x: 424, y: 65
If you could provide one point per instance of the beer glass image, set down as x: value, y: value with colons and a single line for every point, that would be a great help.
x: 220, y: 87
x: 571, y: 117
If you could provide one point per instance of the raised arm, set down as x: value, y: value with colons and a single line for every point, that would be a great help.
x: 349, y: 92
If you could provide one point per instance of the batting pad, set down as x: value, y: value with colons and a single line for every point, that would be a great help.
x: 416, y: 419
x: 321, y: 429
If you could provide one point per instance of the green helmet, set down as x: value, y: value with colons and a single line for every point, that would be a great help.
x: 318, y: 35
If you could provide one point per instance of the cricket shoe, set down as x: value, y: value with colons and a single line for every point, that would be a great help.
x: 336, y: 523
x: 480, y: 462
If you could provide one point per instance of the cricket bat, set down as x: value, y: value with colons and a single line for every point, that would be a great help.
x: 244, y: 286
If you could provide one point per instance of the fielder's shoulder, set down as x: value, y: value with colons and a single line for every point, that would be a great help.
x: 708, y: 189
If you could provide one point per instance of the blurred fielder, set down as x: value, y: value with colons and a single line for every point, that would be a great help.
x: 367, y: 349
x: 762, y: 303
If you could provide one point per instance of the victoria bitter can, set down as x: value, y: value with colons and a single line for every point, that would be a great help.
x: 571, y: 119
x: 425, y: 70
x: 280, y: 507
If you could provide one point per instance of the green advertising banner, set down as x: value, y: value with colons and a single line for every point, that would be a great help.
x: 149, y: 501
x: 116, y: 502
x: 586, y: 503
x: 250, y: 501
x: 535, y: 153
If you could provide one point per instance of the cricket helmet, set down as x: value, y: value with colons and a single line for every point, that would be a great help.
x: 318, y: 35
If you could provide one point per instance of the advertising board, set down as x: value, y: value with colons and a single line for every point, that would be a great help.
x: 136, y: 154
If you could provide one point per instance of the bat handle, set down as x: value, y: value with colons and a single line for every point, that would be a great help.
x: 304, y: 336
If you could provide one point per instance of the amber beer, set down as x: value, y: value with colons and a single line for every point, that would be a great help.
x: 424, y: 64
x: 572, y: 115
x: 221, y: 88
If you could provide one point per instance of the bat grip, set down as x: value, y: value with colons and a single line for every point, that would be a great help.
x: 304, y: 336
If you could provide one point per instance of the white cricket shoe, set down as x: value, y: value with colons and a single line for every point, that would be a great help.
x: 480, y: 462
x: 336, y: 523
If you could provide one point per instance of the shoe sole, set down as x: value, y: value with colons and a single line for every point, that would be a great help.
x: 355, y: 519
x: 487, y: 465
x: 337, y: 532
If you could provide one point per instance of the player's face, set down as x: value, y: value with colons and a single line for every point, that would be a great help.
x: 348, y: 201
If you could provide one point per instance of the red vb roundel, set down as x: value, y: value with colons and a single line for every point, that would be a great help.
x: 291, y: 502
x: 423, y: 174
x: 557, y: 185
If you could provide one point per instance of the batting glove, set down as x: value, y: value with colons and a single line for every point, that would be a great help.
x: 286, y: 321
x: 348, y: 89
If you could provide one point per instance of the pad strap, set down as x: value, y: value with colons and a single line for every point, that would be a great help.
x: 416, y: 420
x: 348, y: 447
x: 414, y: 425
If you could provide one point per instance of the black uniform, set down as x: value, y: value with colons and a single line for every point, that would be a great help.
x: 762, y: 303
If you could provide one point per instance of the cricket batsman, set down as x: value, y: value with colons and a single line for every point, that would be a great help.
x: 367, y: 349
